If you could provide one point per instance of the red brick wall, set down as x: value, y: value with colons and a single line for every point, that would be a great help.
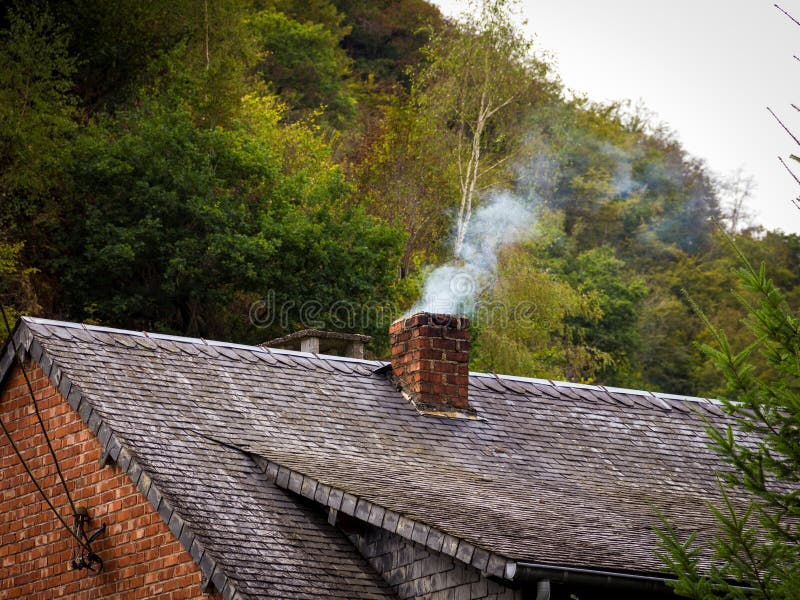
x: 430, y: 355
x: 142, y: 559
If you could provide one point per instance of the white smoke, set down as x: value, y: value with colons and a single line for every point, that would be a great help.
x: 453, y: 288
x: 622, y: 182
x: 505, y: 218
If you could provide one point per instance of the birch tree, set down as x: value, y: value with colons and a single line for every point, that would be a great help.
x: 480, y: 77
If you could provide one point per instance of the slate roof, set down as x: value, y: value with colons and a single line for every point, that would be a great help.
x: 234, y: 436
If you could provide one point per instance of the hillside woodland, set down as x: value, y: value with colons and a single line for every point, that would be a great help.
x: 240, y: 169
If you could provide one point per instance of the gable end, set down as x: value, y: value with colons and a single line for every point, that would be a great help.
x: 146, y: 544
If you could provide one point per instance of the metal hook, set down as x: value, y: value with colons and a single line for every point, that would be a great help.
x: 90, y: 560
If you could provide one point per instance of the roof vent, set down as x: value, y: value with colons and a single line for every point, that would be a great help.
x: 430, y: 361
x: 322, y: 342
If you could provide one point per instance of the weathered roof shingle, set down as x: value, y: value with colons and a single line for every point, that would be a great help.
x: 233, y: 436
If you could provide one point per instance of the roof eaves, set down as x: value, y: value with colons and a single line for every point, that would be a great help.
x: 389, y: 520
x: 115, y: 450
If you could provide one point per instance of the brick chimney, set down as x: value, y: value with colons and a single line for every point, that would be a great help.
x: 430, y: 355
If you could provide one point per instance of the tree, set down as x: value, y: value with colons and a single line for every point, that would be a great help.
x: 386, y: 36
x: 793, y: 157
x: 406, y: 179
x: 119, y: 48
x: 757, y: 544
x: 520, y: 322
x: 36, y: 115
x: 756, y: 550
x: 304, y: 63
x: 736, y: 190
x: 183, y: 227
x: 37, y: 131
x: 16, y: 291
x: 480, y: 80
x: 522, y: 319
x: 598, y: 273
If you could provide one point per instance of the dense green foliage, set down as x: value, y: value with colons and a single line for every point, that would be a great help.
x: 757, y: 543
x: 181, y: 223
x: 303, y: 62
x: 178, y: 165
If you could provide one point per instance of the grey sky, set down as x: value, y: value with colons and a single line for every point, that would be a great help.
x: 706, y: 68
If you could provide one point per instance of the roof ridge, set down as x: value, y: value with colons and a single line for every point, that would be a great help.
x: 197, y: 341
x: 371, y: 363
x: 596, y: 387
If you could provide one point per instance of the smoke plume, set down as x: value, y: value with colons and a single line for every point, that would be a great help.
x: 453, y: 288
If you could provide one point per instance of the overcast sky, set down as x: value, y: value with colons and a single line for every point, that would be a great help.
x: 708, y: 69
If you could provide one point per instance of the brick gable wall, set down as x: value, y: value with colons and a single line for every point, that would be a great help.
x: 142, y: 559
